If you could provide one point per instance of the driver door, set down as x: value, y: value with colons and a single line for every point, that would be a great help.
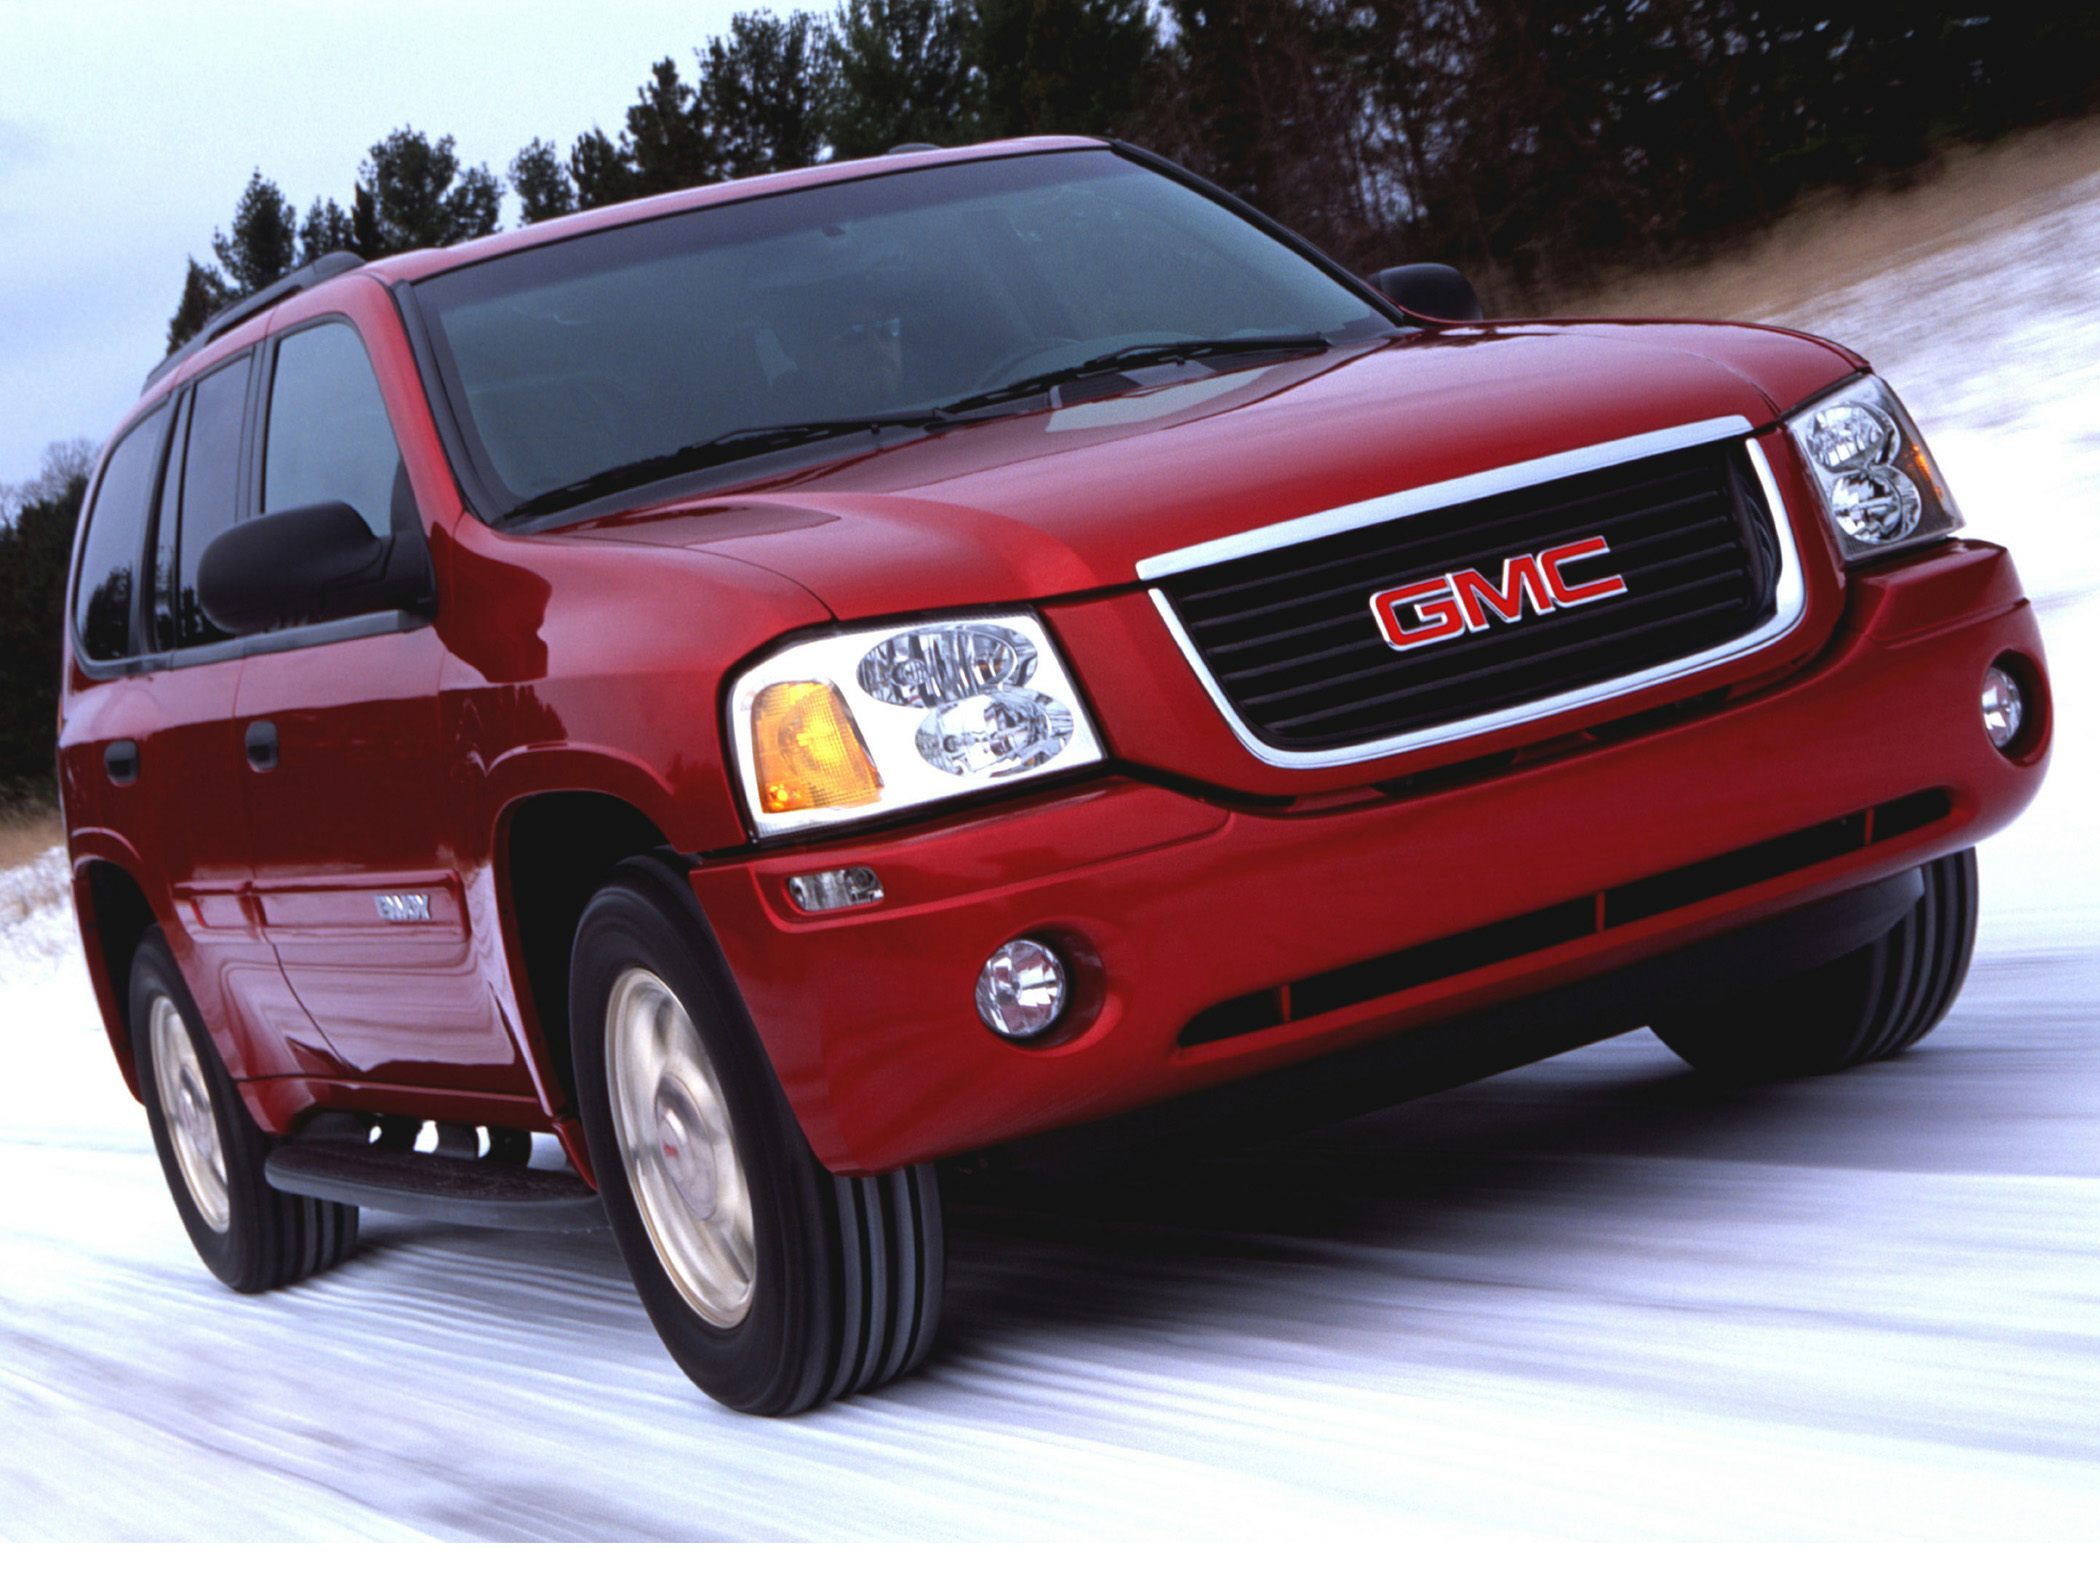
x: 354, y: 869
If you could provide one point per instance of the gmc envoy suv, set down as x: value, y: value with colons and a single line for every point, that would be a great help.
x: 683, y: 717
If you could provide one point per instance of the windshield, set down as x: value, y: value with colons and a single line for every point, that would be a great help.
x: 594, y: 356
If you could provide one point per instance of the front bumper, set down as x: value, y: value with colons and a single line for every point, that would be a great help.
x: 1191, y: 921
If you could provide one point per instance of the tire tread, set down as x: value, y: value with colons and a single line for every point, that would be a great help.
x: 1868, y: 1006
x: 863, y: 1256
x: 275, y: 1238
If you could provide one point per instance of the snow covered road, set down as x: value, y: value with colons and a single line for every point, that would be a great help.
x: 1593, y: 1297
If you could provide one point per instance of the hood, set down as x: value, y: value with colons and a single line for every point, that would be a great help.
x: 1065, y: 501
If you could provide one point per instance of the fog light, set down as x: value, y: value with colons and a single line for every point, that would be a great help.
x: 1022, y: 990
x: 2004, y: 707
x: 852, y: 887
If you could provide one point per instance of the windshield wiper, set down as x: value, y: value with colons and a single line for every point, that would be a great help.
x: 736, y: 443
x: 1157, y: 353
x: 747, y: 442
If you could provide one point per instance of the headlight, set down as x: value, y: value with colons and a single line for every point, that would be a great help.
x: 851, y: 725
x: 1881, y: 488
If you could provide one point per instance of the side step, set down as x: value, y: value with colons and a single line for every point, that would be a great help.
x: 489, y: 1193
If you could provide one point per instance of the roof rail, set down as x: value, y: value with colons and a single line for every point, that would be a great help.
x: 229, y: 317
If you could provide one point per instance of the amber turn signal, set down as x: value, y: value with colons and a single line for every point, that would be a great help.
x: 808, y: 751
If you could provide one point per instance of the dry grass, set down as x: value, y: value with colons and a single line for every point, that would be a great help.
x: 25, y: 833
x: 1835, y: 240
x: 27, y: 886
x: 25, y: 898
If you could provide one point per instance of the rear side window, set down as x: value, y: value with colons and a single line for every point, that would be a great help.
x: 116, y: 539
x: 329, y: 440
x: 162, y: 591
x: 211, y: 487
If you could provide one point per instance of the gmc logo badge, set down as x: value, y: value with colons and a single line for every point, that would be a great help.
x: 409, y: 907
x: 1462, y: 601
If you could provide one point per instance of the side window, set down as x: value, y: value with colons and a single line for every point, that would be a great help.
x: 211, y: 487
x: 328, y: 439
x: 161, y: 593
x: 116, y: 539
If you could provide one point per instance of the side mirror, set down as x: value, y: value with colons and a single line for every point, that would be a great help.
x: 310, y: 565
x: 1429, y: 290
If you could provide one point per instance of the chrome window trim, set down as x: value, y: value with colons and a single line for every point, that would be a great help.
x: 1789, y: 600
x: 359, y: 626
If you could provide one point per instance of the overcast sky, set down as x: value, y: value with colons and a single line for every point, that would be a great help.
x: 127, y: 131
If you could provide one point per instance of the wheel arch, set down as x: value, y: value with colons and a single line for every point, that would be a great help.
x: 553, y: 850
x: 114, y: 918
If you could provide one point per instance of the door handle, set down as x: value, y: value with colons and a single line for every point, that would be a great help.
x: 262, y: 746
x: 121, y: 761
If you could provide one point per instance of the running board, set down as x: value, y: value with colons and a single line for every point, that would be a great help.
x: 489, y: 1193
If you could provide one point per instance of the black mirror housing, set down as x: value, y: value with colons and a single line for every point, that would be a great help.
x: 310, y: 565
x: 1432, y: 290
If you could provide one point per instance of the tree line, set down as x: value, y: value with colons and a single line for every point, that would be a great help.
x: 1529, y: 143
x: 36, y: 543
x: 776, y: 91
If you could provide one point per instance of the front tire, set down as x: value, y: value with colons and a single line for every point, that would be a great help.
x: 249, y: 1234
x: 774, y: 1284
x: 1866, y: 1006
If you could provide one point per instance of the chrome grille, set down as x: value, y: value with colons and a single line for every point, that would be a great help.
x: 1292, y: 650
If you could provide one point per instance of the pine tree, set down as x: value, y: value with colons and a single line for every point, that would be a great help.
x: 325, y: 229
x: 1079, y: 66
x: 763, y: 91
x: 1270, y: 99
x: 474, y: 206
x: 364, y: 222
x: 902, y: 74
x: 542, y: 183
x: 203, y: 293
x: 261, y: 247
x: 602, y: 170
x: 667, y: 144
x: 413, y: 192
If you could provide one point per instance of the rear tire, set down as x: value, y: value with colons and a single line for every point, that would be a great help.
x: 774, y: 1284
x: 249, y: 1234
x: 1866, y: 1006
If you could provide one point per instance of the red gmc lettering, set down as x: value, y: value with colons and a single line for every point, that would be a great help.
x: 1433, y: 604
x: 1567, y: 595
x: 1462, y: 601
x: 1478, y: 595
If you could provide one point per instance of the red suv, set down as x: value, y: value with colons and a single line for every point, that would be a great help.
x: 777, y: 685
